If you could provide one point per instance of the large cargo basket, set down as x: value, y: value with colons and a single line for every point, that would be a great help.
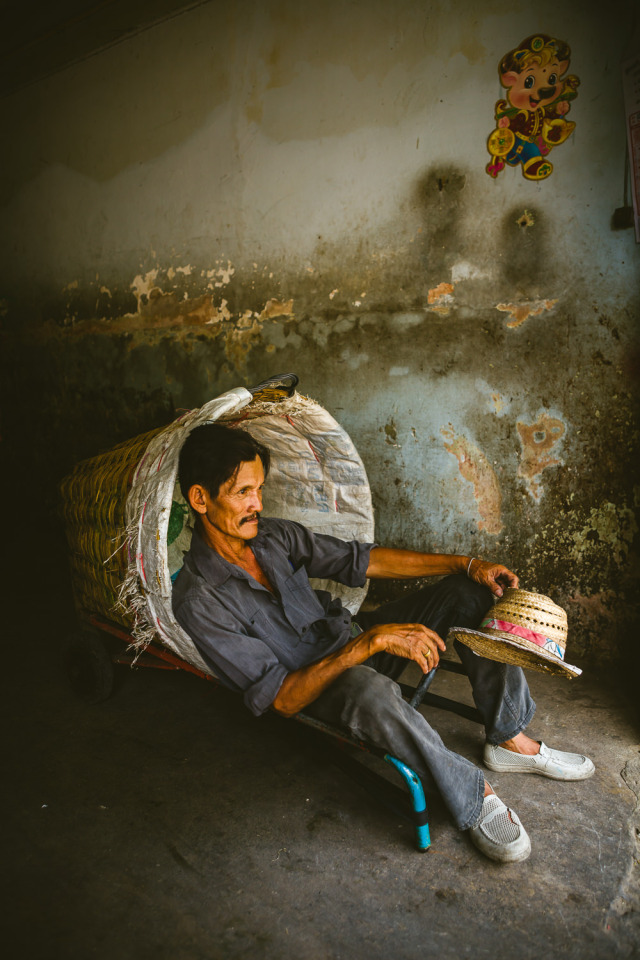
x: 128, y: 525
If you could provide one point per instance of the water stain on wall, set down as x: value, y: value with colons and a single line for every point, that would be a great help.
x: 538, y: 439
x: 597, y: 606
x: 475, y: 468
x: 600, y: 618
x: 440, y: 200
x: 528, y: 259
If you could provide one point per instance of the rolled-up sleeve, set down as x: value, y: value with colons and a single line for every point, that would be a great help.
x: 327, y: 557
x: 241, y: 662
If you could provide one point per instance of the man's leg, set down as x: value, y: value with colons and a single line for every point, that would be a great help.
x: 370, y: 706
x: 500, y: 690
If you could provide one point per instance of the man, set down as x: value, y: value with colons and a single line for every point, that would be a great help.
x: 244, y: 597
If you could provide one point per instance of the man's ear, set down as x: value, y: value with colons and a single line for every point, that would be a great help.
x: 197, y: 497
x: 563, y: 66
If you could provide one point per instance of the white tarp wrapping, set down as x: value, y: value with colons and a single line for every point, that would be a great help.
x: 316, y: 478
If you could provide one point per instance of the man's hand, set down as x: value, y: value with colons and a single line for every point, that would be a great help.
x: 492, y: 575
x: 412, y: 641
x: 409, y: 640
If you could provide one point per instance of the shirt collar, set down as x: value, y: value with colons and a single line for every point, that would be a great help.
x: 214, y: 568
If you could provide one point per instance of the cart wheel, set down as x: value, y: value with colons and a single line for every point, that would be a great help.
x: 89, y: 667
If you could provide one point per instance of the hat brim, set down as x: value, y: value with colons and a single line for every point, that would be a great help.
x: 507, y: 651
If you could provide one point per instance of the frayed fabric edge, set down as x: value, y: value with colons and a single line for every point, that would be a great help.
x: 132, y: 600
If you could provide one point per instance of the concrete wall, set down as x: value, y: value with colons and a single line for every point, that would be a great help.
x: 274, y: 185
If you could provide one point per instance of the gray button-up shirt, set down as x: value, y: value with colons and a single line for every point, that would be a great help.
x: 252, y: 638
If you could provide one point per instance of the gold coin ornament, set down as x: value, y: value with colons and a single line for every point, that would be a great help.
x: 500, y: 142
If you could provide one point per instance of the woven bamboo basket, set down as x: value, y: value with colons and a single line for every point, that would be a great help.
x: 94, y: 498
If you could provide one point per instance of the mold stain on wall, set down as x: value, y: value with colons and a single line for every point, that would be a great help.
x: 476, y: 469
x: 585, y: 558
x: 537, y: 440
x: 608, y: 527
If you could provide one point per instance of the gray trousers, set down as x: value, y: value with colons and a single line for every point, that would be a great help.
x: 367, y: 702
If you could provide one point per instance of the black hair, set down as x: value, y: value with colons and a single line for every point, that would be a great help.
x: 212, y: 454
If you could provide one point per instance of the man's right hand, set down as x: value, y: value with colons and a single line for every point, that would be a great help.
x: 413, y: 641
x: 409, y: 640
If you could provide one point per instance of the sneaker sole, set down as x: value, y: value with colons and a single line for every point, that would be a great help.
x: 489, y: 852
x: 517, y: 768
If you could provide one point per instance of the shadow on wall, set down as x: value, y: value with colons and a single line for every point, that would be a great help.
x: 527, y: 262
x: 440, y: 199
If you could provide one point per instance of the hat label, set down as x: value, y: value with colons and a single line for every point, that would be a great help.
x: 514, y: 628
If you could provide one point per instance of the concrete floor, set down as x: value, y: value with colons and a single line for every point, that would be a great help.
x: 168, y: 823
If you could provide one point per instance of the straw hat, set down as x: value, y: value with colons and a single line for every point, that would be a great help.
x: 527, y: 629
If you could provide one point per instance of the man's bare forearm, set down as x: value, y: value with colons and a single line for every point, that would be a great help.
x: 302, y: 687
x: 413, y: 641
x: 404, y: 564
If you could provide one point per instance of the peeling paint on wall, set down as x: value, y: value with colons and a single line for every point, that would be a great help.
x: 440, y: 298
x: 524, y: 309
x: 467, y: 271
x: 242, y: 337
x: 162, y: 301
x: 219, y: 314
x: 143, y: 286
x: 185, y: 271
x: 475, y: 468
x: 498, y: 403
x: 276, y: 308
x: 219, y: 276
x: 537, y: 441
x: 391, y: 434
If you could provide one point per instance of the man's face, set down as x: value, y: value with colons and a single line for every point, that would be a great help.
x: 234, y: 512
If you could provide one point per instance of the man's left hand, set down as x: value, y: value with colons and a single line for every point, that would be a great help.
x: 492, y: 575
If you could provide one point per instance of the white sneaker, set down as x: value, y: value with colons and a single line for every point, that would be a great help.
x: 499, y: 834
x: 548, y: 763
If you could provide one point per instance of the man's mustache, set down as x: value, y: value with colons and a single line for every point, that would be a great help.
x: 254, y: 516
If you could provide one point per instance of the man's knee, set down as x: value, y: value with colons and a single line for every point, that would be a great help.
x: 356, y: 693
x: 364, y: 685
x: 469, y: 599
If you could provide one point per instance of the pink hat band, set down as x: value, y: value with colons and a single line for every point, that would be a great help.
x: 524, y: 633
